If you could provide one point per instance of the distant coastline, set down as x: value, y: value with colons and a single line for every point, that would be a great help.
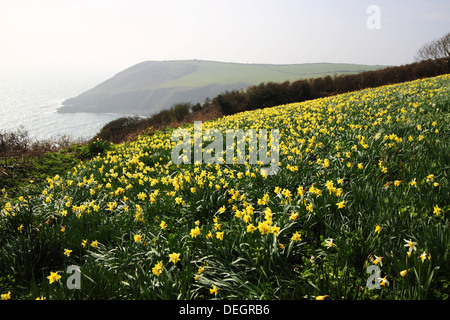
x: 151, y: 86
x: 31, y: 98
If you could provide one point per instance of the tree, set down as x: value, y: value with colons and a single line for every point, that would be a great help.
x: 180, y: 111
x: 437, y: 51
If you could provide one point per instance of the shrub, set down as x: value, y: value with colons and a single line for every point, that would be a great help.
x: 180, y: 111
x: 98, y: 147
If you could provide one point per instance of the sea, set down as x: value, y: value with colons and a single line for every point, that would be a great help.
x: 30, y: 98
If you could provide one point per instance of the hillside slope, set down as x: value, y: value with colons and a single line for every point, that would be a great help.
x: 152, y: 86
x: 357, y: 210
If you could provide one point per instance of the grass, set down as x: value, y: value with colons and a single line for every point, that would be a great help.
x: 363, y: 182
x: 230, y: 73
x: 28, y: 168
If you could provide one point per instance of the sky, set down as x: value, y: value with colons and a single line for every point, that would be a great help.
x: 117, y: 34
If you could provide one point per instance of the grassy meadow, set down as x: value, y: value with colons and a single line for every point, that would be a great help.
x: 208, y: 72
x: 358, y: 210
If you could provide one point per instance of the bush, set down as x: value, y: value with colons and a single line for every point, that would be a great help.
x: 117, y: 130
x: 97, y: 147
x: 14, y: 141
x: 180, y: 111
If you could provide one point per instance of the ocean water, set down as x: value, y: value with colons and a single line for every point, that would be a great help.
x: 31, y: 98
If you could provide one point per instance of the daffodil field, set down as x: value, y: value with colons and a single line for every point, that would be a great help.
x: 357, y: 210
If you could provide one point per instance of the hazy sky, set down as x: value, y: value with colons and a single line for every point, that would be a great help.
x: 118, y: 34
